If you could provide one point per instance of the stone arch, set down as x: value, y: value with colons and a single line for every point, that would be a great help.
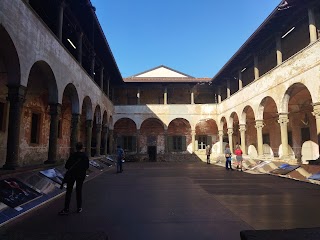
x: 97, y: 115
x: 125, y: 134
x: 206, y: 133
x: 71, y: 93
x: 297, y: 102
x: 248, y: 118
x: 152, y: 137
x: 87, y: 108
x: 234, y: 124
x: 222, y: 123
x: 179, y: 135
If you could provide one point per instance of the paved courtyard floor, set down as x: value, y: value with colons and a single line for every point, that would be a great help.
x: 176, y: 201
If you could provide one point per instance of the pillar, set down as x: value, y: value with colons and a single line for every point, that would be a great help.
x: 240, y: 80
x: 92, y: 63
x: 111, y: 141
x: 312, y: 25
x: 256, y: 67
x: 74, y: 131
x: 98, y: 139
x: 192, y: 96
x: 220, y: 133
x: 193, y: 139
x: 283, y: 121
x: 101, y: 78
x: 165, y: 96
x: 105, y: 137
x: 138, y: 96
x: 60, y: 19
x: 88, y: 137
x: 242, y: 129
x: 219, y: 94
x: 16, y: 99
x: 228, y: 88
x: 138, y: 140
x: 230, y: 134
x: 55, y: 110
x: 79, y: 47
x: 316, y: 113
x: 259, y: 125
x: 166, y: 148
x: 279, y: 49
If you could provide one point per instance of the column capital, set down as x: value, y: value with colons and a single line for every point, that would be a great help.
x: 316, y: 110
x: 283, y: 118
x: 220, y: 133
x: 259, y: 124
x: 230, y: 131
x: 55, y: 109
x: 242, y: 128
x: 98, y: 127
x: 16, y: 94
x: 89, y: 123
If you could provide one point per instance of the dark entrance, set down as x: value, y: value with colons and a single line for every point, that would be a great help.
x: 152, y: 151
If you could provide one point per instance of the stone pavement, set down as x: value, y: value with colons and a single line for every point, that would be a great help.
x: 175, y: 201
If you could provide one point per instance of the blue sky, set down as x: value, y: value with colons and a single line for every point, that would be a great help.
x: 196, y: 37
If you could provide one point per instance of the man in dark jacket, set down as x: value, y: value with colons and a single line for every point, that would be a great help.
x: 76, y: 166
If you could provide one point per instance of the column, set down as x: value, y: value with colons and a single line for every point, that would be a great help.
x: 60, y: 19
x: 193, y: 136
x: 111, y: 149
x: 92, y: 64
x: 220, y: 133
x: 138, y: 96
x: 240, y: 80
x: 230, y: 135
x: 108, y: 87
x: 219, y: 94
x: 312, y: 25
x: 165, y: 96
x: 166, y: 148
x: 256, y: 67
x: 88, y: 137
x: 138, y: 141
x: 79, y: 47
x: 16, y: 99
x: 192, y: 96
x: 279, y: 49
x: 74, y: 131
x: 316, y: 113
x: 98, y: 139
x: 106, y: 135
x: 101, y: 78
x: 259, y: 125
x: 228, y: 88
x: 55, y: 110
x: 283, y: 121
x: 242, y: 129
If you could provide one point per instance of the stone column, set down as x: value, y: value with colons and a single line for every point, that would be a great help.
x: 92, y: 63
x: 219, y: 94
x: 316, y: 113
x: 259, y: 125
x: 192, y: 96
x: 79, y: 47
x: 88, y: 137
x: 16, y: 97
x: 138, y: 141
x: 230, y: 135
x: 220, y: 133
x: 74, y: 137
x: 55, y: 110
x: 106, y: 135
x: 165, y: 96
x: 101, y: 78
x: 240, y: 80
x: 193, y: 136
x: 60, y: 19
x: 312, y: 25
x: 138, y: 96
x: 279, y: 49
x: 228, y: 88
x: 283, y: 121
x: 98, y: 139
x: 242, y: 129
x: 256, y: 67
x: 111, y: 149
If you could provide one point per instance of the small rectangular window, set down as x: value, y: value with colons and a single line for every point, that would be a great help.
x: 35, y: 127
x: 177, y: 143
x: 202, y: 142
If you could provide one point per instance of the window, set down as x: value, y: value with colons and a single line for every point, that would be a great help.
x: 35, y: 127
x: 128, y: 143
x: 202, y: 142
x: 2, y: 116
x: 177, y: 143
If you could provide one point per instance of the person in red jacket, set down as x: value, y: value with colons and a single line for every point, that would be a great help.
x: 238, y: 153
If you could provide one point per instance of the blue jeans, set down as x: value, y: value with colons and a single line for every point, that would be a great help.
x: 119, y: 165
x: 228, y: 163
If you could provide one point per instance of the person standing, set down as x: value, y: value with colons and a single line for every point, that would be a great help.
x: 208, y: 152
x: 238, y: 153
x: 76, y: 166
x: 227, y: 153
x: 120, y: 158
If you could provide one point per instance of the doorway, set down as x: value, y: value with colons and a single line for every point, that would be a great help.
x: 152, y: 152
